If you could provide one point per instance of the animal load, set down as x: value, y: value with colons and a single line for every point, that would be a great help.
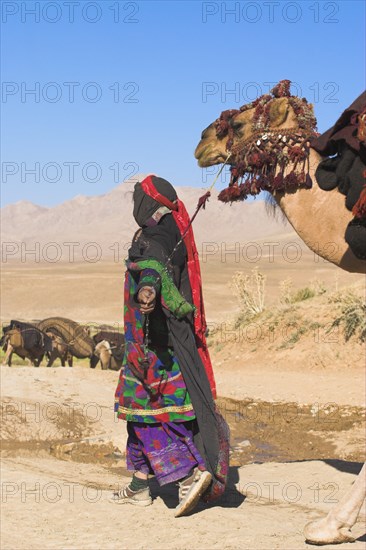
x: 29, y: 336
x: 74, y: 335
x: 344, y: 146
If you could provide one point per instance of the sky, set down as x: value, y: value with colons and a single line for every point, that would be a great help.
x: 94, y: 92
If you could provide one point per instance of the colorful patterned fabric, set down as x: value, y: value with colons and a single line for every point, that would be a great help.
x: 164, y: 450
x: 165, y: 400
x: 182, y: 220
x: 151, y: 387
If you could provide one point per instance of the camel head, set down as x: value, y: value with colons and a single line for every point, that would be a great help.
x: 267, y: 141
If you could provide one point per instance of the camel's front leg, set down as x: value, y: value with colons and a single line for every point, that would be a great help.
x: 51, y: 358
x: 9, y: 352
x: 336, y: 526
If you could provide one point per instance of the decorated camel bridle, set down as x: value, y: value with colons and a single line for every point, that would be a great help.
x: 270, y: 159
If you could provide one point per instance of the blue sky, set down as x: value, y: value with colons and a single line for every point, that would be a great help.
x: 124, y: 87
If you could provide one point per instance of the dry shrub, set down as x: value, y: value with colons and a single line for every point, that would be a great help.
x: 249, y: 289
x: 286, y: 291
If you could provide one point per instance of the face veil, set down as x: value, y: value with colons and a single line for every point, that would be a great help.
x: 145, y: 206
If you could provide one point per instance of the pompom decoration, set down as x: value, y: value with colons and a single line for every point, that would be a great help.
x: 270, y: 159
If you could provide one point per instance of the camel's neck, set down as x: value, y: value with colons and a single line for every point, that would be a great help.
x: 320, y: 218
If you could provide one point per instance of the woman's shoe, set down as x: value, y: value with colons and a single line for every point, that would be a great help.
x: 190, y: 491
x: 127, y: 496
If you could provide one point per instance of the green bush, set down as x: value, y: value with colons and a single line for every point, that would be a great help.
x: 303, y: 294
x: 352, y: 318
x: 290, y: 296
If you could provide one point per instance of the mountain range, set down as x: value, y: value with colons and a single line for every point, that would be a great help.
x: 107, y: 221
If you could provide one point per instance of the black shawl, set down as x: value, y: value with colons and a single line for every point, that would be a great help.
x: 212, y: 427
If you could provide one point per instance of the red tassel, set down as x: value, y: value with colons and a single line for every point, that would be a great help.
x: 202, y: 200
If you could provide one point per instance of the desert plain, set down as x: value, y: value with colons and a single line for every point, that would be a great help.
x: 290, y: 384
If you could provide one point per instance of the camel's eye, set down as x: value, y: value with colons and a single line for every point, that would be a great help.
x: 237, y: 125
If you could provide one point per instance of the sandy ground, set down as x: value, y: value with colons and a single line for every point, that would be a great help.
x: 93, y: 292
x: 296, y: 415
x: 69, y: 508
x: 58, y: 498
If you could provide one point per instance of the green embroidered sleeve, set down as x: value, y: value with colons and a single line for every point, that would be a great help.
x: 171, y: 298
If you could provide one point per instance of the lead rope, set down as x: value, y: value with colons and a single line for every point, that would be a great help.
x: 145, y: 362
x: 201, y: 203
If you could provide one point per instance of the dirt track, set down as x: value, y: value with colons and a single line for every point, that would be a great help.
x: 60, y: 467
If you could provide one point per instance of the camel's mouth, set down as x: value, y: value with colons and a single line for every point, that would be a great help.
x: 206, y: 155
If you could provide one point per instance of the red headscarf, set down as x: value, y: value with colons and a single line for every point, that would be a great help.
x: 182, y: 220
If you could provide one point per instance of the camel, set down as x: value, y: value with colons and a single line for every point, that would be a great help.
x: 230, y: 138
x: 301, y: 206
x: 60, y: 350
x: 109, y: 350
x: 103, y: 353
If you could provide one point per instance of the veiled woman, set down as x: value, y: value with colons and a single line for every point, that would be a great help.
x: 166, y: 388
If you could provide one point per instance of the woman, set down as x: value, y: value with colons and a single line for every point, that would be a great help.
x: 166, y: 387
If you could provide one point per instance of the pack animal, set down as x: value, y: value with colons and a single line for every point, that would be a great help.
x: 60, y: 350
x: 25, y: 340
x: 109, y: 350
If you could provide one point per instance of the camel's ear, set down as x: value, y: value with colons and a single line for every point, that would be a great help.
x: 278, y: 111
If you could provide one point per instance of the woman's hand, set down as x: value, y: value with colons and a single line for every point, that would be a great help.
x: 146, y: 298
